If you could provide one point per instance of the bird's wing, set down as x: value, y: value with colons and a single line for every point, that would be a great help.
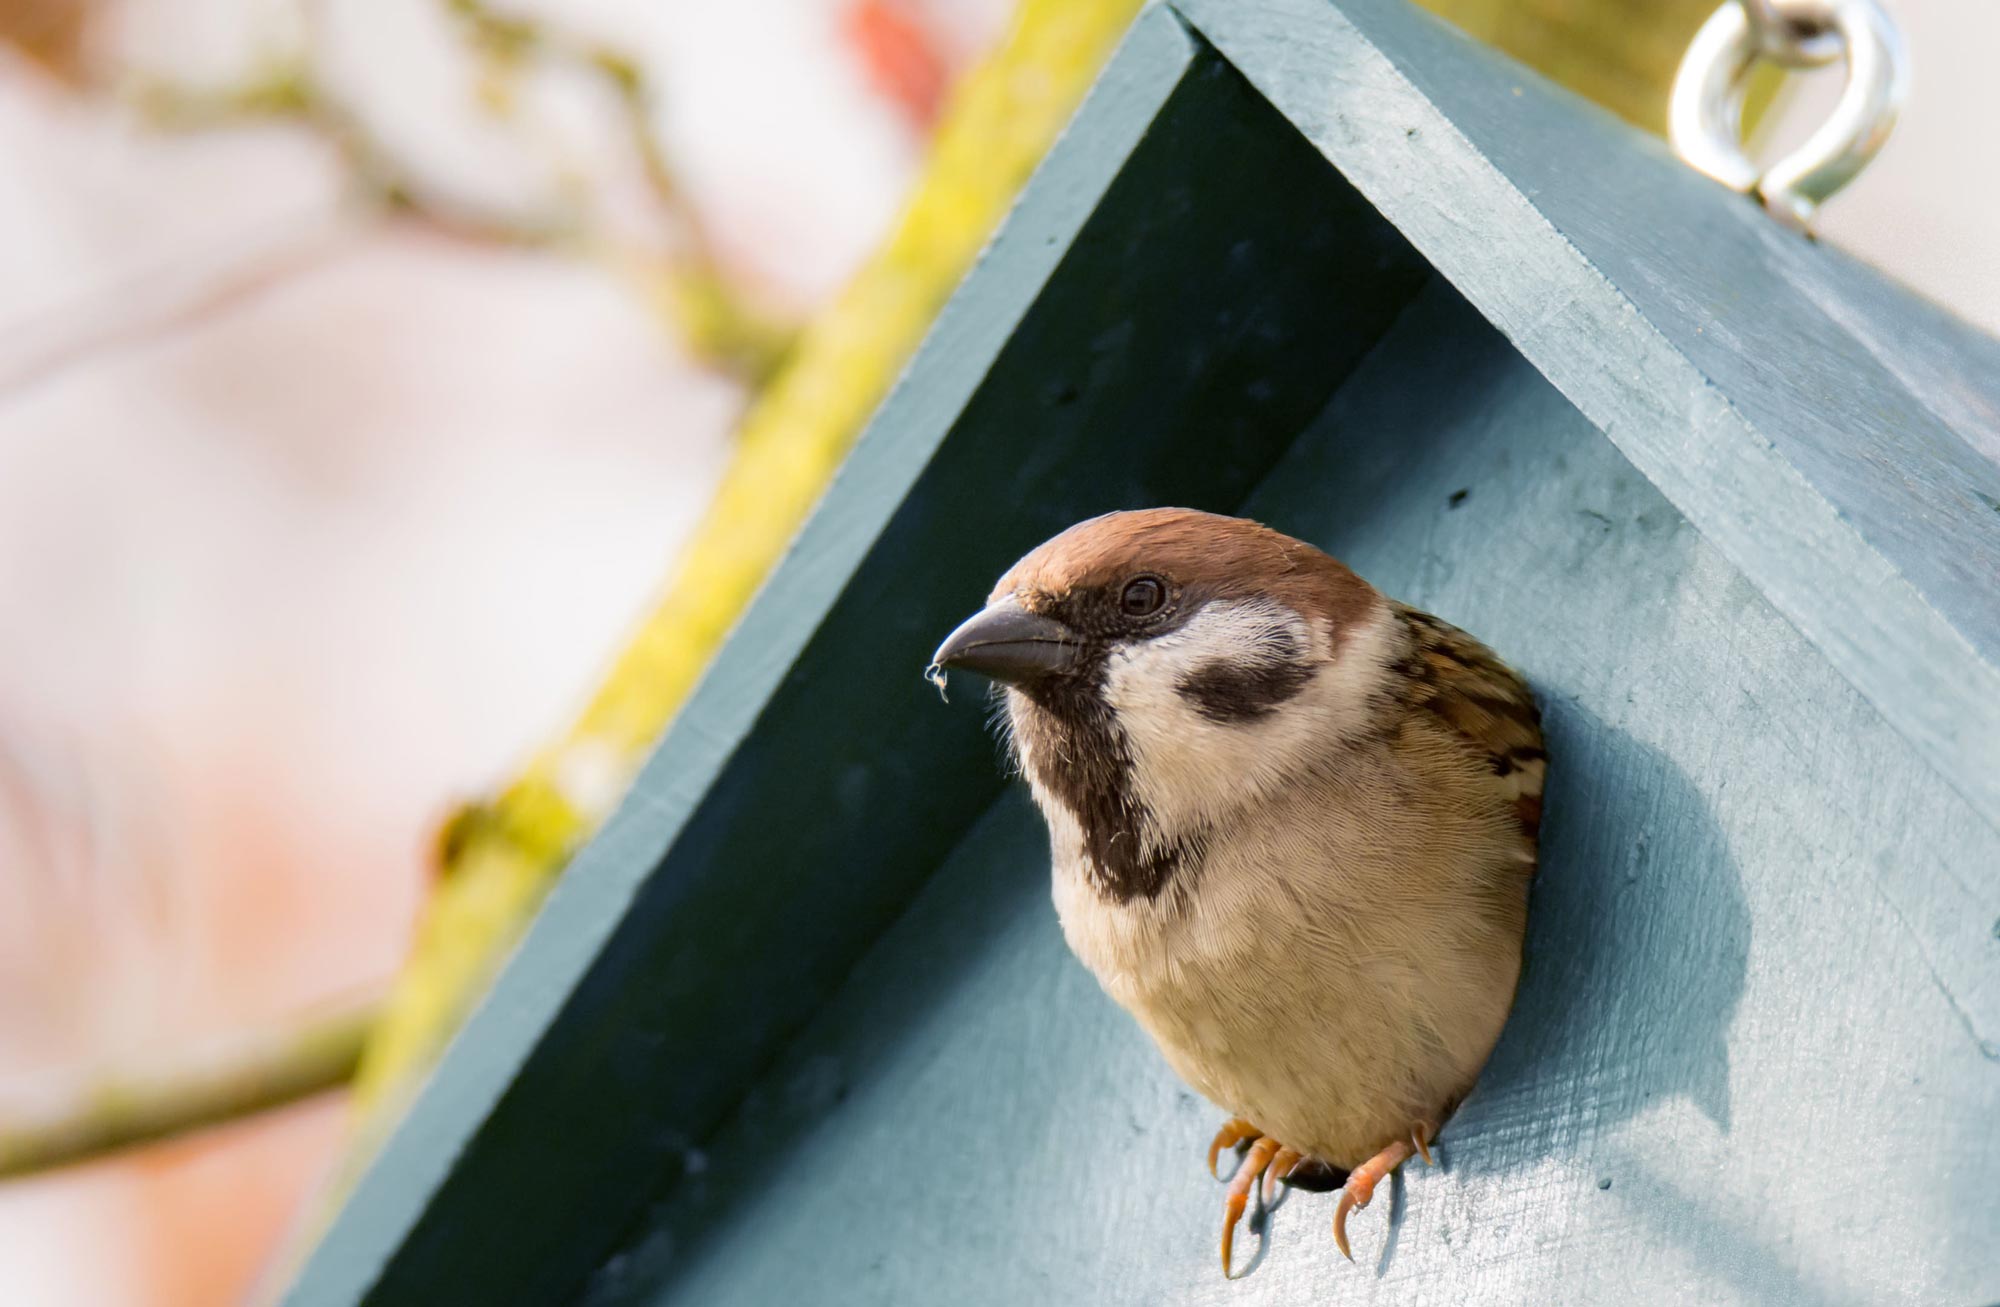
x: 1486, y: 703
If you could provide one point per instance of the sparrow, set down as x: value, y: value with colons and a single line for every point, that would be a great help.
x: 1292, y: 824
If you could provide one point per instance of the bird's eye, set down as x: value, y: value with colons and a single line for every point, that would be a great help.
x: 1142, y: 597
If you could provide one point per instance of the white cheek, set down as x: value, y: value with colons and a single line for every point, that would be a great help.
x: 1189, y: 769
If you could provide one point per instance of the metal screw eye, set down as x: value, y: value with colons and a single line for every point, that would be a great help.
x: 1705, y: 117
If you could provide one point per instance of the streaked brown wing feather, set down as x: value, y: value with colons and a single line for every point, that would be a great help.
x: 1485, y: 702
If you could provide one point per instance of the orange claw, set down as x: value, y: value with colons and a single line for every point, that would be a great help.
x: 1361, y: 1187
x: 1421, y: 1135
x: 1240, y: 1185
x: 1234, y: 1131
x: 1281, y: 1166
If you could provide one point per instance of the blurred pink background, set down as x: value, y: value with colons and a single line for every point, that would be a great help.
x: 313, y: 518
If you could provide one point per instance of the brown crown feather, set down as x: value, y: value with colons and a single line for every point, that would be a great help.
x: 1204, y: 554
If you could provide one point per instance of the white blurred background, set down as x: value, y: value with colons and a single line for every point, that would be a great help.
x: 313, y: 517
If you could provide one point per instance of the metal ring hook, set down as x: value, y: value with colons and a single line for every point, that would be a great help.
x: 1705, y: 116
x: 1794, y: 41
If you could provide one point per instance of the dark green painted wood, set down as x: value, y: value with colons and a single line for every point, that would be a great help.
x: 1735, y: 1011
x: 1212, y: 289
x: 1765, y: 1000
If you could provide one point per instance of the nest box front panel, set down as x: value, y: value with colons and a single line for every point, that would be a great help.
x: 1694, y: 1055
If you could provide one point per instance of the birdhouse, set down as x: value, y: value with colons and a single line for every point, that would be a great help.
x: 799, y: 1027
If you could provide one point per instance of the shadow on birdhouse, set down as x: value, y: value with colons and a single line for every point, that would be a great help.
x: 1636, y: 953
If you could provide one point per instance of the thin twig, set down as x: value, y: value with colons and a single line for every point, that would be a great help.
x: 710, y: 312
x: 119, y: 1108
x: 715, y: 318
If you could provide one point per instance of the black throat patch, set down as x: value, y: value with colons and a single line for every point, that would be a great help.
x: 1070, y: 742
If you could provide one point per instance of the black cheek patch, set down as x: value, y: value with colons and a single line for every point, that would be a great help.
x: 1241, y: 692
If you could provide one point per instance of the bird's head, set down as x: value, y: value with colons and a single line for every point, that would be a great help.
x: 1165, y: 667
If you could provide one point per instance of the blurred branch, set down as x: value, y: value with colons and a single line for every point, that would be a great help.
x: 288, y: 92
x: 691, y: 286
x: 121, y: 1108
x: 711, y: 313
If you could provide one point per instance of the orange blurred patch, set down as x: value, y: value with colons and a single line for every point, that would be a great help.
x: 903, y: 63
x: 218, y: 1204
x: 50, y: 32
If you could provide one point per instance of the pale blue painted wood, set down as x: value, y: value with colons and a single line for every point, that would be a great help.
x: 1742, y: 1067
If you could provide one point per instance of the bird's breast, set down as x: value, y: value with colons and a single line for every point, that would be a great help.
x: 1333, y: 970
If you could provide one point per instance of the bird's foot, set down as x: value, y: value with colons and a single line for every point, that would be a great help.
x: 1235, y: 1133
x: 1361, y: 1183
x: 1264, y: 1157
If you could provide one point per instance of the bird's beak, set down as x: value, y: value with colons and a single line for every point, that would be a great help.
x: 1008, y: 643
